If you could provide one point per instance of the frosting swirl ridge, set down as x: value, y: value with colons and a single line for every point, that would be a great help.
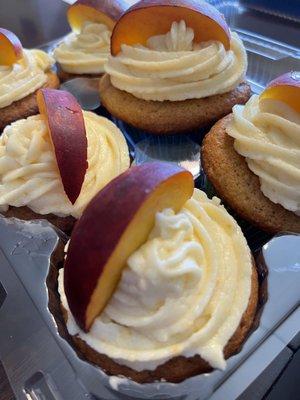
x: 173, y: 67
x: 267, y: 134
x: 24, y: 77
x: 86, y: 52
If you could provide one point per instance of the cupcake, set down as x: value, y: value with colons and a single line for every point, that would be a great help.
x: 85, y: 51
x: 168, y: 292
x: 22, y: 73
x: 175, y: 67
x: 53, y: 163
x: 252, y: 157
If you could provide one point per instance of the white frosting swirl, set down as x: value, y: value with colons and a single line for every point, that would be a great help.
x: 29, y: 174
x: 24, y: 77
x: 182, y: 293
x: 173, y: 67
x: 86, y: 52
x: 267, y: 134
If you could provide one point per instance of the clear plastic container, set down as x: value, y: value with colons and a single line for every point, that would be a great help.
x: 39, y: 363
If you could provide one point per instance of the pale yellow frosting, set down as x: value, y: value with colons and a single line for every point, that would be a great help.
x: 29, y: 174
x: 268, y: 134
x: 183, y: 292
x: 24, y: 77
x: 85, y: 52
x: 173, y: 67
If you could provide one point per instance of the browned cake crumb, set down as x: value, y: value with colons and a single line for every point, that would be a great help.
x: 175, y: 370
x: 25, y: 107
x: 65, y: 224
x: 238, y: 186
x: 66, y: 76
x: 170, y: 117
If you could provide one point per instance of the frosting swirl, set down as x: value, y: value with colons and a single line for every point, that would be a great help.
x: 173, y: 67
x: 267, y: 134
x: 24, y: 77
x: 182, y: 293
x: 86, y: 52
x: 29, y: 174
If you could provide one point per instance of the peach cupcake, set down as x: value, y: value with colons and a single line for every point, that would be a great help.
x: 168, y: 292
x: 252, y: 157
x: 53, y: 163
x: 175, y: 67
x: 22, y: 73
x: 85, y: 50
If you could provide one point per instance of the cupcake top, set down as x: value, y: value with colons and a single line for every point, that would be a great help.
x: 174, y: 67
x: 24, y: 76
x: 266, y: 132
x: 183, y: 291
x: 85, y: 52
x: 86, y: 49
x: 179, y: 63
x: 29, y: 172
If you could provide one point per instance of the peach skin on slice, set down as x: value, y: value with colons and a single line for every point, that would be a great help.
x: 116, y: 223
x: 103, y: 11
x: 67, y: 131
x: 154, y: 17
x: 11, y: 49
x: 285, y: 88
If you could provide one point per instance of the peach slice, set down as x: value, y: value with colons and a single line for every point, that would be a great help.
x: 67, y: 131
x: 103, y: 11
x: 11, y: 49
x: 285, y: 88
x: 115, y: 223
x: 154, y: 17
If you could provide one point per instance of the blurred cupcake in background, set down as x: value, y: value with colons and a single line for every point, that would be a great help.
x: 22, y: 73
x: 85, y: 50
x: 252, y: 157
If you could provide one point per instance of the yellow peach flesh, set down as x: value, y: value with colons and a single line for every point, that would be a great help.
x: 10, y: 47
x: 139, y: 23
x: 285, y: 88
x: 78, y: 14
